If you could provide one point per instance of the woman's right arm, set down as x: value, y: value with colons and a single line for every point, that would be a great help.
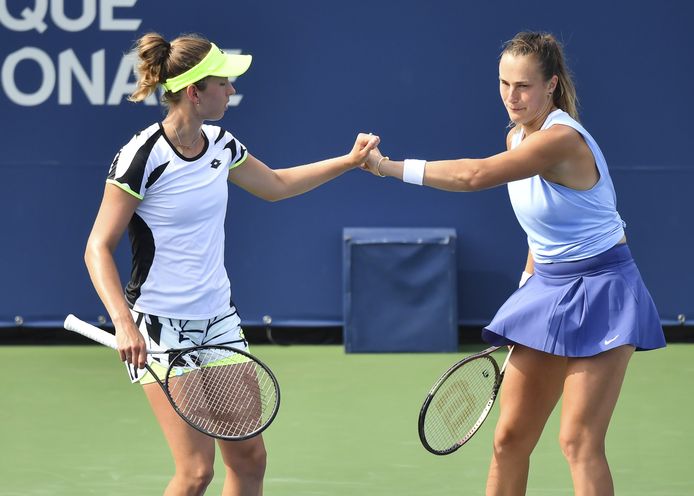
x: 541, y: 153
x: 277, y: 184
x: 529, y: 268
x: 530, y: 263
x: 117, y: 208
x: 528, y: 271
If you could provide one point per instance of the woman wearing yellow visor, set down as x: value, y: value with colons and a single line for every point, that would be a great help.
x: 168, y: 186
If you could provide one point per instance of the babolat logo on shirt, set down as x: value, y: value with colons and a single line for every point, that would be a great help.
x: 215, y: 163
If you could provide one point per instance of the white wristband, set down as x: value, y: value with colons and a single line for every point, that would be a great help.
x: 413, y: 171
x: 524, y: 278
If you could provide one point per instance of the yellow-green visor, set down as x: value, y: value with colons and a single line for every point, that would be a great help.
x: 215, y: 63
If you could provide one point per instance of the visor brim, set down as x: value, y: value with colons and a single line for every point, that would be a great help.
x: 215, y: 63
x: 234, y: 65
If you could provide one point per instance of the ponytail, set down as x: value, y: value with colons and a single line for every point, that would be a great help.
x: 161, y: 60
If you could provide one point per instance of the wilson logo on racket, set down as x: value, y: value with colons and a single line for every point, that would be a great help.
x: 460, y: 401
x: 455, y: 405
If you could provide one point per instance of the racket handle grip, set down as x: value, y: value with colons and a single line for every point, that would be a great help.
x: 74, y: 324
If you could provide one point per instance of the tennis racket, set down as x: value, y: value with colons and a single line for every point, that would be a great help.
x: 221, y: 391
x: 460, y: 401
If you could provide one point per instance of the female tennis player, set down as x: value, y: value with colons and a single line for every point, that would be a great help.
x: 583, y: 308
x: 168, y: 186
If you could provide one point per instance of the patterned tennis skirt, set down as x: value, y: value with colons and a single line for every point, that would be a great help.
x: 579, y: 309
x: 163, y: 333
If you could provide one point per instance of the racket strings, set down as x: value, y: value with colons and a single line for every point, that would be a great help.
x: 225, y: 394
x: 460, y: 403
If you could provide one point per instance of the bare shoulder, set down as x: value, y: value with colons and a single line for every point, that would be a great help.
x: 562, y: 135
x: 559, y: 141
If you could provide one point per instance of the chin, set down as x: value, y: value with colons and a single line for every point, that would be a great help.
x: 514, y: 117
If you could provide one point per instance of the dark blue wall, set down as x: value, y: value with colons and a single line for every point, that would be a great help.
x: 421, y: 74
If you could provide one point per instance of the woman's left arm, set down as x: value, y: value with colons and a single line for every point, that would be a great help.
x: 277, y: 184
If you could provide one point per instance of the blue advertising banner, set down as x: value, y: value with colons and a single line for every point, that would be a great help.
x: 422, y: 75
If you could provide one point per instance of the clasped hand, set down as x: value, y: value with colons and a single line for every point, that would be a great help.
x: 363, y: 146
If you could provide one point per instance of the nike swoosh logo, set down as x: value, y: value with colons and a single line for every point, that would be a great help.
x: 608, y: 341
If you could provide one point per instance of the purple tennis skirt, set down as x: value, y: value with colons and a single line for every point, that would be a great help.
x: 580, y: 309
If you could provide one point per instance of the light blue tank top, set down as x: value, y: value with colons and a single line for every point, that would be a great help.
x: 565, y: 224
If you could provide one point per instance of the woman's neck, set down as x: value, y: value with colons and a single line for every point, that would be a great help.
x: 184, y: 133
x: 536, y: 124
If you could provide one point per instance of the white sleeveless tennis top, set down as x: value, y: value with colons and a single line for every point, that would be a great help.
x: 177, y: 230
x: 564, y: 224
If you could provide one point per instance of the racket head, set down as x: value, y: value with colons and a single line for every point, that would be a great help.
x: 459, y: 402
x: 222, y: 391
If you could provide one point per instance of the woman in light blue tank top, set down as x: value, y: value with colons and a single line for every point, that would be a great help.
x: 582, y: 308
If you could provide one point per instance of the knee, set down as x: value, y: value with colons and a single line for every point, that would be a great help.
x: 579, y: 446
x: 195, y: 479
x: 251, y: 463
x: 510, y: 442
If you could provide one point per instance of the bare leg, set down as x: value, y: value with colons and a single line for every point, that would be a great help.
x: 193, y: 452
x: 245, y: 466
x: 591, y: 390
x: 531, y: 388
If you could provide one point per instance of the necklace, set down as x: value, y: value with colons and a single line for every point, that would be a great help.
x: 186, y: 146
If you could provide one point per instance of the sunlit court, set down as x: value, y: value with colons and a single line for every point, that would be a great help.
x: 340, y: 248
x: 347, y: 425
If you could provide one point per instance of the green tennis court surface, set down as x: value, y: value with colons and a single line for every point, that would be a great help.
x: 71, y: 424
